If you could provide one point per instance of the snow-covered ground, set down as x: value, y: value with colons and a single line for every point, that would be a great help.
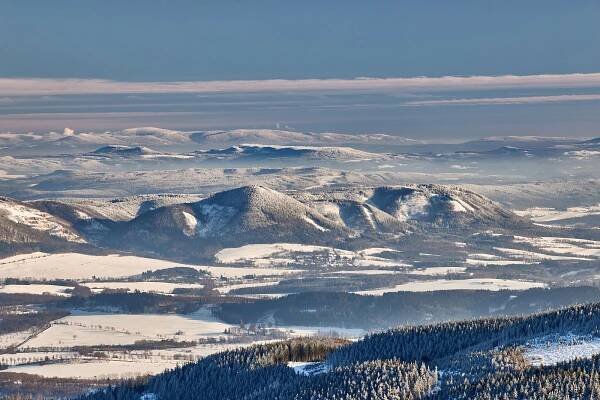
x: 550, y: 350
x: 482, y: 259
x: 55, y: 290
x: 308, y: 368
x: 38, y: 220
x: 540, y: 214
x: 240, y: 272
x: 78, y: 266
x: 563, y: 245
x: 433, y: 271
x: 228, y: 288
x: 459, y: 284
x: 12, y: 339
x: 532, y: 255
x: 156, y: 287
x: 333, y: 331
x: 88, y: 329
x: 33, y: 357
x: 546, y: 248
x: 366, y: 272
x: 96, y: 369
x: 116, y: 366
x: 255, y: 253
x: 281, y: 254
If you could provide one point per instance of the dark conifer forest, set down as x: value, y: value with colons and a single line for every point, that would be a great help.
x: 474, y: 359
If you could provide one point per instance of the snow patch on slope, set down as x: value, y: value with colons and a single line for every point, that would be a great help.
x: 313, y: 223
x: 38, y: 220
x: 190, y: 223
x: 551, y: 350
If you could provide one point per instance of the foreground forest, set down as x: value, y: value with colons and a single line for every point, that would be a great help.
x: 476, y: 359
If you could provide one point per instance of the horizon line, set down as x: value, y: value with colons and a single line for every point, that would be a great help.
x: 79, y: 86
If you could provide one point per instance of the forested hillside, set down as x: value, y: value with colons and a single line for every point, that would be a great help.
x: 477, y: 359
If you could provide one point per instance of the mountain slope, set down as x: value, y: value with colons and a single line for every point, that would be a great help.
x: 258, y: 151
x: 281, y: 137
x: 122, y: 151
x: 255, y: 214
x: 23, y: 228
x: 250, y: 214
x: 415, y: 206
x: 174, y: 227
x: 476, y: 359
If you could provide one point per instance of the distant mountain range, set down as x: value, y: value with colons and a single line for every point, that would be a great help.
x: 258, y: 151
x: 267, y: 143
x: 256, y: 214
x: 279, y: 137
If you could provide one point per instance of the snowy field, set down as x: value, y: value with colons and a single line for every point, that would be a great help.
x: 330, y: 331
x: 281, y: 254
x: 307, y: 368
x: 88, y: 329
x: 462, y: 284
x: 118, y: 365
x: 239, y: 272
x: 55, y: 290
x: 151, y: 287
x: 366, y: 272
x: 551, y: 350
x: 483, y: 260
x: 545, y: 248
x: 96, y: 369
x: 437, y: 271
x: 563, y: 246
x: 228, y: 288
x: 78, y: 266
x: 525, y: 255
x: 540, y: 214
x: 33, y: 357
x: 12, y: 339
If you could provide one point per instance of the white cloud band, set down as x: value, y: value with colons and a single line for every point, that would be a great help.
x: 41, y: 86
x: 506, y: 100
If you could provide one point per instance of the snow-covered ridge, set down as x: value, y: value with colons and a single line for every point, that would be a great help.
x: 121, y: 150
x: 32, y: 218
x: 280, y: 151
x: 258, y: 215
x: 283, y: 137
x: 153, y: 136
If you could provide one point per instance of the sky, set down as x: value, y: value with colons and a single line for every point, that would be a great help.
x: 111, y: 64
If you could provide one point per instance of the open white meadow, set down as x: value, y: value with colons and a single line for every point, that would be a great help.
x: 563, y: 246
x: 437, y: 271
x: 281, y: 254
x: 532, y: 255
x: 117, y: 366
x: 96, y: 369
x: 78, y: 266
x: 554, y: 349
x: 459, y: 284
x: 14, y: 338
x: 541, y: 214
x: 228, y: 288
x: 55, y: 290
x: 150, y: 287
x: 330, y: 331
x: 88, y: 329
x: 240, y: 272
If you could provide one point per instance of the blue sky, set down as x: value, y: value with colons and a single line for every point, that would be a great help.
x: 136, y: 45
x: 208, y: 40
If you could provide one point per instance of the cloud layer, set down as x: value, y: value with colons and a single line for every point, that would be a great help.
x: 40, y: 86
x: 506, y: 100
